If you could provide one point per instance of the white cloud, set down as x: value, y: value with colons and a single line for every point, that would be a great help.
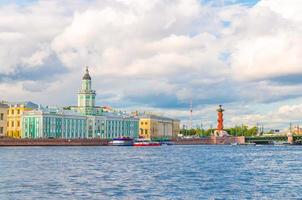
x: 24, y: 29
x: 267, y: 41
x: 280, y: 117
x: 37, y: 58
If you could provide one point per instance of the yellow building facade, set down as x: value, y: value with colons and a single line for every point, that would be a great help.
x: 297, y: 130
x: 14, y: 114
x: 3, y: 119
x: 152, y: 126
x: 145, y: 127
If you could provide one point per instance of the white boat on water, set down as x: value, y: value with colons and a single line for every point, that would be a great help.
x: 122, y: 141
x: 280, y: 143
x: 145, y: 142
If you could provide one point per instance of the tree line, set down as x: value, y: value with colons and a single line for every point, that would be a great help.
x: 234, y: 131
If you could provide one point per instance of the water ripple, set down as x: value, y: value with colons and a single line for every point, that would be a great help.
x: 170, y: 172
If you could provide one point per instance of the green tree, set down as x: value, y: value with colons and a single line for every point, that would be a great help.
x: 242, y: 130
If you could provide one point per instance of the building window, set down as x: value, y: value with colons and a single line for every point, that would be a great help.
x: 1, y: 130
x: 146, y: 123
x: 12, y: 123
x: 146, y: 132
x: 142, y: 123
x: 12, y: 112
x: 18, y: 111
x: 18, y: 123
x: 1, y: 116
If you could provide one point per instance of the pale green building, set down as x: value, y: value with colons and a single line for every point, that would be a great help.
x: 53, y: 123
x: 102, y: 124
x: 110, y: 126
x: 83, y: 121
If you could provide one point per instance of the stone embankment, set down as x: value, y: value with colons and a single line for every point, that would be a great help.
x: 210, y: 140
x: 102, y: 142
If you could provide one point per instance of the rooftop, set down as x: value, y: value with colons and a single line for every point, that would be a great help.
x: 86, y: 75
x: 27, y: 104
x: 152, y: 116
x: 53, y: 110
x: 3, y: 105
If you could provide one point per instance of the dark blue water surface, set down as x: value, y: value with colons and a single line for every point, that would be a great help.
x: 167, y: 172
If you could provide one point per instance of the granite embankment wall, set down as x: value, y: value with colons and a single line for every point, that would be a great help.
x: 210, y: 140
x: 228, y: 140
x: 102, y: 142
x: 193, y: 141
x: 52, y: 142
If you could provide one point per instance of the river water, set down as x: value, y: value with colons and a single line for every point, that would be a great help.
x: 166, y: 172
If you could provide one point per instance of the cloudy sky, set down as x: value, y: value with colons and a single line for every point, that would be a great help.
x: 157, y: 55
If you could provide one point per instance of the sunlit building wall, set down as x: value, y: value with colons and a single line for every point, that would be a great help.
x: 153, y: 126
x: 3, y: 119
x: 14, y: 114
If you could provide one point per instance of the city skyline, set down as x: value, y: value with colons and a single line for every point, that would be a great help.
x: 157, y: 56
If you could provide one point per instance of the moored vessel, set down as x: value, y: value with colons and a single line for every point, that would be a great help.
x: 280, y: 143
x: 122, y: 141
x: 167, y: 143
x: 145, y: 143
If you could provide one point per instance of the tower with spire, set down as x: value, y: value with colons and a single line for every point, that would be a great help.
x: 86, y: 96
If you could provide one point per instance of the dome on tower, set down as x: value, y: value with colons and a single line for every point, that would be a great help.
x: 86, y: 75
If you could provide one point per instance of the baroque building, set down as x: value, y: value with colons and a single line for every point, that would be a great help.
x: 102, y: 123
x: 53, y: 123
x: 83, y: 121
x: 112, y: 125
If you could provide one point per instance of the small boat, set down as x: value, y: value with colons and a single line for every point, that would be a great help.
x: 280, y: 143
x: 234, y: 144
x: 250, y: 144
x: 168, y: 143
x: 121, y: 141
x: 145, y: 143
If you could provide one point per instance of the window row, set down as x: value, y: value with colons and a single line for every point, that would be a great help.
x: 12, y: 124
x: 13, y: 111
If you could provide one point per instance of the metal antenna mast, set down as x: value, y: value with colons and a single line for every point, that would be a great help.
x: 191, y: 114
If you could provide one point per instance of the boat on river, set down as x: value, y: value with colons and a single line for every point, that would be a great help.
x: 145, y: 143
x: 121, y: 141
x: 167, y: 143
x: 280, y: 143
x: 250, y: 144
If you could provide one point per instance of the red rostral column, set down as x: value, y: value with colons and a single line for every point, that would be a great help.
x: 220, y: 118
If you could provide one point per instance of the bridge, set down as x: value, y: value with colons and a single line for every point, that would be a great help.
x: 270, y: 139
